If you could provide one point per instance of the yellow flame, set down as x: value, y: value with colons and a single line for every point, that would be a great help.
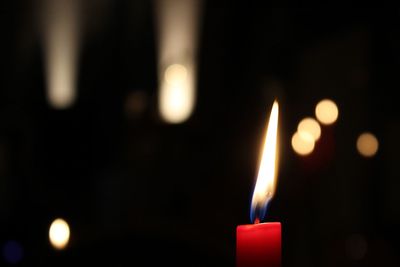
x: 266, y: 179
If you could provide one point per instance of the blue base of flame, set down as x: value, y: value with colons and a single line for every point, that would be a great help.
x: 259, y: 211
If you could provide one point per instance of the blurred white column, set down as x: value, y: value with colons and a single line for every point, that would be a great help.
x: 177, y: 31
x: 61, y: 25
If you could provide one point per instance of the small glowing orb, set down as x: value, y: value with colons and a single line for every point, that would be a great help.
x: 326, y: 111
x: 310, y: 126
x: 59, y: 234
x: 303, y: 143
x: 367, y: 144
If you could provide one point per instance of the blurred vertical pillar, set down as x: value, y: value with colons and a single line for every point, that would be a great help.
x: 177, y: 23
x: 61, y: 26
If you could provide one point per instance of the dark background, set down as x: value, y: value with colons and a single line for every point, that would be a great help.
x: 135, y: 189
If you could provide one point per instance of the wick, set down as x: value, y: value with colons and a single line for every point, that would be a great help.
x: 257, y: 221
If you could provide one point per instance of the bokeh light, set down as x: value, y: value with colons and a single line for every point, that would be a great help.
x: 175, y: 74
x: 356, y: 247
x: 176, y: 95
x: 367, y: 144
x: 59, y: 233
x: 310, y: 126
x: 177, y: 29
x: 326, y: 111
x: 303, y: 143
x: 136, y: 103
x: 13, y: 252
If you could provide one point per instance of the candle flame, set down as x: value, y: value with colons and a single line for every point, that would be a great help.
x: 266, y: 180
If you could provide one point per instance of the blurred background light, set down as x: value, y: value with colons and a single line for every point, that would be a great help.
x: 13, y: 252
x: 326, y: 111
x: 136, y: 103
x: 310, y: 126
x: 177, y: 26
x: 303, y: 143
x: 367, y: 144
x: 176, y: 95
x: 59, y: 234
x: 356, y: 247
x: 175, y: 74
x: 61, y: 47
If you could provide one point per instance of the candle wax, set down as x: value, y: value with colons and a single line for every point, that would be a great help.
x: 258, y: 245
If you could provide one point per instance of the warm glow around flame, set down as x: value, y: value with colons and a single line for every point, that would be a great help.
x: 266, y: 179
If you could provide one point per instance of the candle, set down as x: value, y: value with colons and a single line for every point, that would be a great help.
x: 259, y: 244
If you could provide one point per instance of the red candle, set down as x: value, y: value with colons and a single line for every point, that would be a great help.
x: 259, y: 244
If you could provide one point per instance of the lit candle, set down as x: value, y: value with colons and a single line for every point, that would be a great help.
x: 259, y: 244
